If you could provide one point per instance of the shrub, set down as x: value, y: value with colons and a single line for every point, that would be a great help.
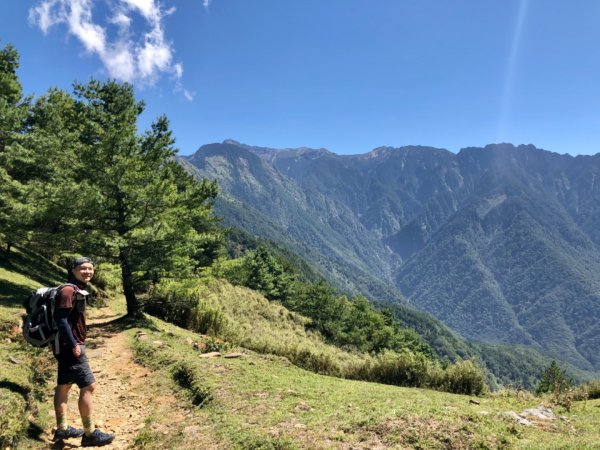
x: 315, y: 361
x: 206, y: 318
x: 464, y: 377
x: 174, y: 300
x: 400, y: 368
x: 234, y: 270
x: 588, y: 391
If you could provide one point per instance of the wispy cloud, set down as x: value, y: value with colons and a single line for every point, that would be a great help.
x: 137, y: 56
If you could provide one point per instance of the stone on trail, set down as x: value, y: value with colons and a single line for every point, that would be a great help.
x: 234, y: 355
x: 210, y: 355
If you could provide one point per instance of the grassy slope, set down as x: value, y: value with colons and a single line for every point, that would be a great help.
x: 23, y: 369
x: 262, y: 401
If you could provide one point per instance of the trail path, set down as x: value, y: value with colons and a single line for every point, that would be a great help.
x: 124, y: 396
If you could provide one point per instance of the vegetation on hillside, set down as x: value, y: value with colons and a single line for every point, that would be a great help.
x: 262, y: 402
x: 500, y: 243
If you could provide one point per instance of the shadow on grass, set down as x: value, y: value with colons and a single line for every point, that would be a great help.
x: 121, y: 324
x: 35, y: 432
x: 16, y: 388
x: 13, y: 294
x: 36, y: 267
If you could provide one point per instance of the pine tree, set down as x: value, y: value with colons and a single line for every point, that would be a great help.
x: 119, y: 195
x: 14, y: 108
x: 553, y: 379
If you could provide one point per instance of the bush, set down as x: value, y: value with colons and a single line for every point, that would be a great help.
x: 464, y: 377
x: 174, y: 301
x: 410, y: 369
x: 400, y: 368
x: 186, y: 303
x: 588, y: 391
x: 206, y: 319
x: 234, y: 271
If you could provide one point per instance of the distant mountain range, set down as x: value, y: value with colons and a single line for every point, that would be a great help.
x: 500, y: 243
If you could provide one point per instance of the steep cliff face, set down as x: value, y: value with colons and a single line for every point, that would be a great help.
x: 502, y: 243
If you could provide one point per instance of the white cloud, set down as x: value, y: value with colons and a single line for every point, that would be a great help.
x: 136, y: 56
x: 206, y: 3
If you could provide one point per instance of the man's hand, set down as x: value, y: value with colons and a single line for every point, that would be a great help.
x: 77, y: 351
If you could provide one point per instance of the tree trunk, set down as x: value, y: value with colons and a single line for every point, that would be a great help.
x: 127, y: 278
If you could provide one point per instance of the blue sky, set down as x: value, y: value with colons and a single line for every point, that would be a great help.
x: 345, y: 75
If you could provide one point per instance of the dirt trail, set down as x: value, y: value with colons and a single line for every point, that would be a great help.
x: 124, y: 396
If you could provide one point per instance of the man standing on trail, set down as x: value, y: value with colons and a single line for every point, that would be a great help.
x: 73, y: 365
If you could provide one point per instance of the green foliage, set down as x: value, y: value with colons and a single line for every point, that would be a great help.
x: 589, y: 390
x: 245, y: 318
x: 15, y: 212
x: 185, y: 303
x: 464, y: 377
x: 207, y: 319
x: 352, y: 324
x: 267, y: 275
x: 102, y: 189
x: 406, y: 368
x: 108, y: 277
x: 553, y: 379
x: 401, y: 369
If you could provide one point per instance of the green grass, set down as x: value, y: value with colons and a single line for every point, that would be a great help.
x: 263, y: 401
x: 24, y: 370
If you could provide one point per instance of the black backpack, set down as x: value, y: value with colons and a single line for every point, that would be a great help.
x: 39, y: 328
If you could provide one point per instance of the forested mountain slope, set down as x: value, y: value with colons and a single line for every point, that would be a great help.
x: 501, y: 243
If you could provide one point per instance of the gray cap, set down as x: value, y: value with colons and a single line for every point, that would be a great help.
x: 82, y: 260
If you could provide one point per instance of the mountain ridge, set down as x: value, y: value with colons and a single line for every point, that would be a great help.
x: 520, y: 223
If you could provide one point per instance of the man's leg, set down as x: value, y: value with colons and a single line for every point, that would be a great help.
x: 86, y: 401
x: 61, y: 397
x: 92, y: 436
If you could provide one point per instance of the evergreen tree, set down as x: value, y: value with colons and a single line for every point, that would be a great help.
x: 14, y: 108
x: 118, y: 195
x: 267, y: 275
x: 553, y: 379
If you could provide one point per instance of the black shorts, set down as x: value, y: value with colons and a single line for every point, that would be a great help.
x: 74, y: 370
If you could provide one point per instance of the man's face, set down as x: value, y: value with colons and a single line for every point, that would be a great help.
x: 84, y: 272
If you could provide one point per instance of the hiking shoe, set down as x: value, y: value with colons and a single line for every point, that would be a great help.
x: 97, y: 439
x: 69, y: 432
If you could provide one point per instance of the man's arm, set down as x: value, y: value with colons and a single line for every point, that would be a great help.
x: 64, y: 329
x: 64, y: 304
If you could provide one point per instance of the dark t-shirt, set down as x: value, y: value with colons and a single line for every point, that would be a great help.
x: 67, y: 298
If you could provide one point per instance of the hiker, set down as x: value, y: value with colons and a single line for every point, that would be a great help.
x: 73, y: 365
